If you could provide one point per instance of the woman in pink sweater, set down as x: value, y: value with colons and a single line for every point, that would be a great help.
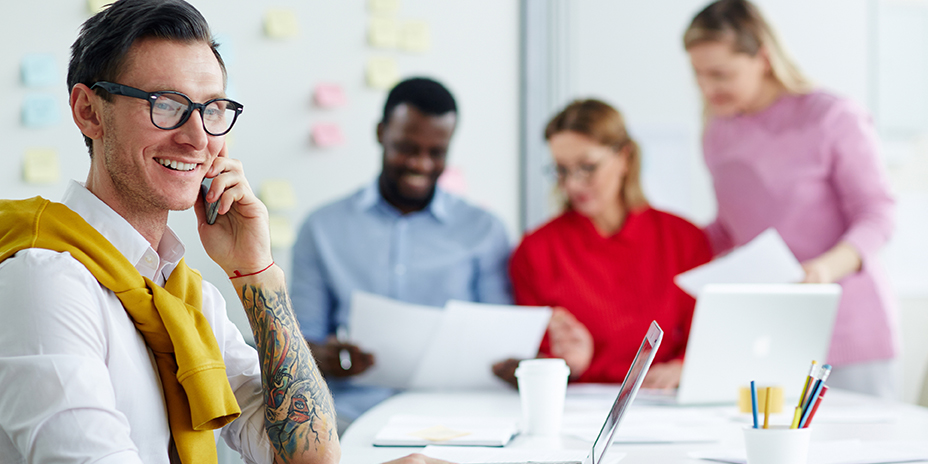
x: 805, y: 162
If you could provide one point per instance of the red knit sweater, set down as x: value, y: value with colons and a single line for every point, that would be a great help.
x: 614, y: 285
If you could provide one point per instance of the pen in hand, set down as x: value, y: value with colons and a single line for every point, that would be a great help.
x: 344, y: 357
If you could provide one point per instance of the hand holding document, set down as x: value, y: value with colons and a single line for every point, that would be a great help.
x: 764, y: 260
x: 418, y: 346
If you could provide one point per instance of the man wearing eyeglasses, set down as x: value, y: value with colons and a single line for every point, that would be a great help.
x: 111, y: 348
x: 400, y: 236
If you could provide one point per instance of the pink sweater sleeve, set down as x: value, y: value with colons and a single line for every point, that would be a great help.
x: 860, y: 180
x: 718, y: 237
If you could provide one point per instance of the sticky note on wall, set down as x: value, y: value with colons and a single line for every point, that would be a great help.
x: 277, y: 194
x: 382, y: 72
x: 94, y: 6
x: 282, y: 235
x: 329, y: 95
x: 383, y: 33
x: 281, y: 23
x: 327, y: 134
x: 39, y: 110
x: 415, y: 37
x: 383, y: 6
x: 38, y: 70
x: 40, y: 166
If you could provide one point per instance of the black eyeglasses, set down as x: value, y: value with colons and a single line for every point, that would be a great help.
x: 170, y: 109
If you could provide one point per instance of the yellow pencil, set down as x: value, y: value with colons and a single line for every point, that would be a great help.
x: 797, y: 416
x: 805, y: 388
x: 767, y: 396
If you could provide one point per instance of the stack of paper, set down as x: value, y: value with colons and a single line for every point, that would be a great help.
x: 425, y: 347
x: 410, y: 430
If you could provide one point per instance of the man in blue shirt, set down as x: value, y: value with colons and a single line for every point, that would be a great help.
x: 400, y: 237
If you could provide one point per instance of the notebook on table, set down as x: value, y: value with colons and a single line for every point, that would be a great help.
x: 597, y: 454
x: 768, y: 333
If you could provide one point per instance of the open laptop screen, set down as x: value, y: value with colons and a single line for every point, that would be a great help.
x: 629, y: 389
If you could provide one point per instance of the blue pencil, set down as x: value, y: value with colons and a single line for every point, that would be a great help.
x: 754, y: 402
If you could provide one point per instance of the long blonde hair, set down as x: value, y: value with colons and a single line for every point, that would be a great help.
x: 741, y: 23
x: 606, y: 126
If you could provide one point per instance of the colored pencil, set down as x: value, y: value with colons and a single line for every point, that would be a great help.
x: 815, y: 408
x: 754, y: 402
x: 767, y: 401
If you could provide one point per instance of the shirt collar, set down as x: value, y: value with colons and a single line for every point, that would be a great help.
x: 115, y: 229
x: 370, y: 197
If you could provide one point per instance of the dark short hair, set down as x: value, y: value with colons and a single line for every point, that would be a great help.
x: 99, y: 53
x: 426, y: 95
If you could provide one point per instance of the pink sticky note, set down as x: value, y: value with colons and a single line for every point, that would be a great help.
x: 327, y: 134
x: 329, y: 95
x: 452, y: 180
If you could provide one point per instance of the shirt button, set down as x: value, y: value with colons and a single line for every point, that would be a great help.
x: 399, y: 269
x: 149, y: 259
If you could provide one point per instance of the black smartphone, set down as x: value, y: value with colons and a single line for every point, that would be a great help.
x: 212, y: 209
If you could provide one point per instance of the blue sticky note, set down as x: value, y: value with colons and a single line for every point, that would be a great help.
x: 38, y: 70
x: 40, y: 110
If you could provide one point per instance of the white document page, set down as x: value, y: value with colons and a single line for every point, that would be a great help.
x: 474, y: 336
x: 413, y: 430
x: 396, y: 333
x: 764, y: 260
x: 476, y: 455
x: 836, y: 452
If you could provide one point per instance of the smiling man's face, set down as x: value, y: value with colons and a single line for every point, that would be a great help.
x: 145, y: 168
x: 415, y: 146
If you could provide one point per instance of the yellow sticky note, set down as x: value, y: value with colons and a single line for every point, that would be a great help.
x: 282, y: 235
x: 383, y: 6
x: 382, y: 72
x: 383, y: 33
x: 439, y: 433
x: 280, y: 23
x: 94, y: 6
x: 415, y: 37
x: 277, y: 194
x: 40, y: 166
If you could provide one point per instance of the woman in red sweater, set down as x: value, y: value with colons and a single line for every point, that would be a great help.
x: 607, y: 263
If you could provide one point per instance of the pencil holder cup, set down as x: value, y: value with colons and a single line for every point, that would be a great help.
x: 777, y: 445
x: 776, y: 400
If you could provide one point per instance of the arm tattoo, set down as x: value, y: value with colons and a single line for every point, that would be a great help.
x: 299, y: 414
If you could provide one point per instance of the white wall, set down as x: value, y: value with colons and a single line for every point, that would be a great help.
x: 631, y: 54
x: 475, y: 46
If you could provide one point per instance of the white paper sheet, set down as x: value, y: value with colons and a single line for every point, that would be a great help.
x: 836, y: 452
x: 764, y: 260
x: 474, y: 455
x: 473, y: 336
x: 414, y: 430
x: 396, y: 333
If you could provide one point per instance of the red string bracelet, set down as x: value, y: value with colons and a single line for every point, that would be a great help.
x: 239, y: 274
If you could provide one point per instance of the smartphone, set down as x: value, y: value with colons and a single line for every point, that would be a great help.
x: 212, y: 209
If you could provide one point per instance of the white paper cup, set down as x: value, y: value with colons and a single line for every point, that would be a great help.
x: 542, y: 387
x: 777, y: 445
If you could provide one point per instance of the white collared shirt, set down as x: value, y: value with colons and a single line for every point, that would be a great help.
x: 77, y: 381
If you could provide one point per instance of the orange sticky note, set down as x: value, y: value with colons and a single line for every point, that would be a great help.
x: 329, y: 95
x: 327, y: 134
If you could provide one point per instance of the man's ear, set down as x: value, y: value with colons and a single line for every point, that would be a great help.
x: 380, y: 129
x: 86, y: 110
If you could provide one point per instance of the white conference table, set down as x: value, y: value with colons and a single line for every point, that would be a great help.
x: 842, y: 416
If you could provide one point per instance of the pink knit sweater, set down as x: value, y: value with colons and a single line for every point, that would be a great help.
x: 809, y: 166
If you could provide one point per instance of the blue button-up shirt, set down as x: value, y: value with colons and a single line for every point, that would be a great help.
x: 449, y: 250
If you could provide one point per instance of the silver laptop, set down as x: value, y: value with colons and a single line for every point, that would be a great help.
x: 768, y: 333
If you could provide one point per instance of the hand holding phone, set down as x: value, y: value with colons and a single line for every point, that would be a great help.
x: 212, y: 209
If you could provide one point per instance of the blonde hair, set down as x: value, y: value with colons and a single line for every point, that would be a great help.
x: 741, y: 23
x: 606, y: 126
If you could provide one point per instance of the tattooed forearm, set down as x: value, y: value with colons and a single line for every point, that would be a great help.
x: 299, y: 414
